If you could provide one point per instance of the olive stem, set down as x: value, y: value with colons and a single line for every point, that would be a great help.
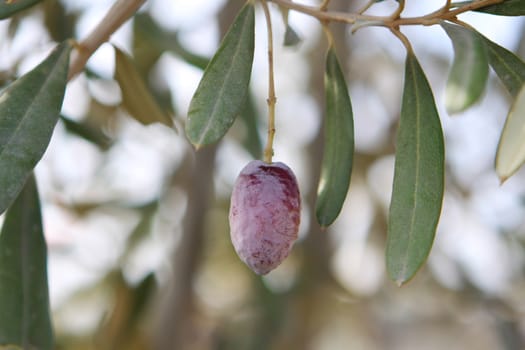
x: 272, y: 100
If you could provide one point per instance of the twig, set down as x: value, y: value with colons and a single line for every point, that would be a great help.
x: 119, y: 13
x: 366, y: 6
x: 403, y: 39
x: 388, y: 21
x: 324, y: 5
x: 399, y: 10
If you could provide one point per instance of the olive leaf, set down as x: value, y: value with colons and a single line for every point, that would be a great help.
x: 506, y: 8
x: 148, y: 36
x: 510, y: 155
x: 136, y: 98
x: 9, y: 8
x: 223, y: 88
x: 87, y: 131
x: 509, y: 67
x: 24, y: 298
x: 470, y: 69
x: 336, y: 167
x: 29, y: 110
x: 418, y: 187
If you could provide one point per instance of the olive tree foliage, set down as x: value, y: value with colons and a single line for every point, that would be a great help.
x: 30, y: 107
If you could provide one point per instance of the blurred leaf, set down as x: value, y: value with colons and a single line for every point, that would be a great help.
x: 10, y: 347
x: 60, y: 24
x: 336, y: 168
x: 145, y: 51
x: 8, y: 8
x: 249, y: 115
x: 470, y: 69
x: 29, y: 110
x: 24, y: 299
x: 506, y: 8
x: 136, y: 97
x: 222, y: 90
x: 141, y: 296
x: 149, y: 43
x: 162, y: 40
x: 417, y: 192
x: 143, y: 228
x: 87, y: 132
x: 511, y: 149
x: 509, y: 67
x: 120, y: 329
x: 291, y: 38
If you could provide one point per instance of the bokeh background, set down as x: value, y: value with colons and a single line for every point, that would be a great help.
x: 136, y: 220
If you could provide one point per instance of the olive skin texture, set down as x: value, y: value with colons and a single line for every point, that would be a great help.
x: 265, y: 213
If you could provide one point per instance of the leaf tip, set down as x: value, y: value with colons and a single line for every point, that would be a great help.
x: 400, y: 282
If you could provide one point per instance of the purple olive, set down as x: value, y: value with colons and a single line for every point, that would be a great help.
x: 265, y: 213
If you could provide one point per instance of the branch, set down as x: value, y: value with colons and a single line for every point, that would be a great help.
x: 392, y: 22
x: 119, y: 13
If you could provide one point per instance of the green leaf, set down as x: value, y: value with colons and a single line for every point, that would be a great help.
x: 252, y: 140
x: 29, y: 110
x: 336, y: 167
x: 222, y: 90
x: 506, y: 8
x: 470, y: 69
x: 509, y: 67
x: 291, y: 38
x: 155, y: 38
x: 510, y: 155
x: 136, y: 98
x: 24, y: 299
x: 87, y: 131
x: 9, y: 8
x: 417, y: 192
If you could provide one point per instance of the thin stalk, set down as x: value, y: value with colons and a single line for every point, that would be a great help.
x: 272, y: 100
x: 403, y: 39
x: 366, y: 6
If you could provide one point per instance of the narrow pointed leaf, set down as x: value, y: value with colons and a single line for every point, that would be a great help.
x: 222, y: 90
x: 24, y: 298
x: 9, y: 8
x: 511, y: 149
x: 417, y: 192
x: 158, y: 39
x: 336, y: 167
x: 88, y: 132
x: 470, y: 69
x: 136, y: 98
x: 509, y: 67
x: 29, y: 110
x: 506, y: 8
